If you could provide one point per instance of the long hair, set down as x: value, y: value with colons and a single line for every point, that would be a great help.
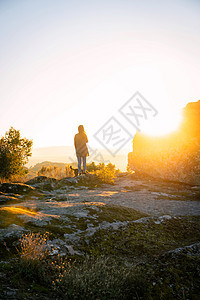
x: 81, y: 129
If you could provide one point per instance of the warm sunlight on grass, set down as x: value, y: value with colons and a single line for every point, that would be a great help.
x: 65, y: 204
x: 25, y: 211
x: 19, y: 210
x: 107, y: 193
x: 33, y: 246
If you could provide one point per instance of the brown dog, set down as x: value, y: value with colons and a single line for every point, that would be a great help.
x: 75, y: 171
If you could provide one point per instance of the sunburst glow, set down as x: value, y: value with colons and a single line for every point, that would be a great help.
x: 163, y: 124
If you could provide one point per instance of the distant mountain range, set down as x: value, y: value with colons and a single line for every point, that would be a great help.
x: 66, y: 155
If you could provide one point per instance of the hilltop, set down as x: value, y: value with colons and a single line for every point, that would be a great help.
x: 136, y: 236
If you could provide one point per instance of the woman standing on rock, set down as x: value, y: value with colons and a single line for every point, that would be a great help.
x: 80, y: 140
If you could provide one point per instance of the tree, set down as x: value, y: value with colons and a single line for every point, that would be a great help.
x: 14, y: 154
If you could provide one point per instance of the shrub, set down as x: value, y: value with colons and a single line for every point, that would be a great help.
x: 106, y: 172
x: 36, y: 261
x: 33, y: 246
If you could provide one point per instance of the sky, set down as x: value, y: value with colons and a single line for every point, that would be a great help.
x: 66, y: 63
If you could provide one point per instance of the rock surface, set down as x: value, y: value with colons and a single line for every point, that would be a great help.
x: 76, y: 210
x: 77, y: 215
x: 16, y: 188
x: 74, y: 213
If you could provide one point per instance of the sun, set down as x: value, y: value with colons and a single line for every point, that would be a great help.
x: 162, y: 124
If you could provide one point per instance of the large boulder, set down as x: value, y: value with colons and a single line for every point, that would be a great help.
x: 173, y: 157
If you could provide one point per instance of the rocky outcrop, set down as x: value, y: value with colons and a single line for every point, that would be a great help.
x: 43, y: 183
x: 173, y: 157
x: 16, y: 188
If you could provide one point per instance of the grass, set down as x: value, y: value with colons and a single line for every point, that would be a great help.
x: 129, y: 263
x: 111, y: 213
x: 7, y: 218
x: 101, y: 278
x: 143, y: 240
x: 132, y: 262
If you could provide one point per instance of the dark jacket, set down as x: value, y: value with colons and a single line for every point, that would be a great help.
x: 80, y: 140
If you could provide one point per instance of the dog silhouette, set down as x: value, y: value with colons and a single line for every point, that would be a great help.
x: 75, y: 171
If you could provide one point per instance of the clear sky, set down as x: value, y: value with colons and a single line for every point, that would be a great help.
x: 65, y: 63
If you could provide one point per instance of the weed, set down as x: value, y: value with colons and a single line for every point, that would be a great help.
x: 33, y: 246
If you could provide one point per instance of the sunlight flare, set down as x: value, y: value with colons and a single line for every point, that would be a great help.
x: 163, y: 124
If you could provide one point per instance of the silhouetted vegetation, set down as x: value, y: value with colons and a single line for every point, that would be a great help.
x: 104, y: 173
x: 55, y: 171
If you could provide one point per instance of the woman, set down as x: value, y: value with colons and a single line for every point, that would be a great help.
x: 80, y: 140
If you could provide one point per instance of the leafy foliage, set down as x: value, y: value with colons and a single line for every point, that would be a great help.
x: 14, y: 154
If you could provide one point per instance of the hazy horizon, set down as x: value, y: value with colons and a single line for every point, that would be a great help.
x: 66, y: 154
x: 68, y: 63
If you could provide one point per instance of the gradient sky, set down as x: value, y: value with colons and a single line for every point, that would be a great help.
x: 65, y: 63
